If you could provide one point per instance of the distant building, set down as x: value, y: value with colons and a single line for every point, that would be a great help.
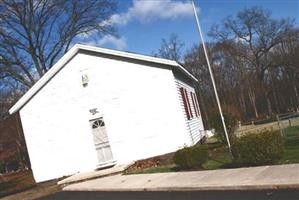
x: 98, y: 107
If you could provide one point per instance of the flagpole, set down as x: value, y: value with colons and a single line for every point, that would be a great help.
x: 212, y: 76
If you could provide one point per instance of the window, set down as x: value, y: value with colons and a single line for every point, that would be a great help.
x: 186, y: 102
x: 85, y: 80
x: 194, y: 104
x: 84, y: 77
x: 98, y: 123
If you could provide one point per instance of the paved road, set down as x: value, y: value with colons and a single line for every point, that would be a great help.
x: 204, y: 195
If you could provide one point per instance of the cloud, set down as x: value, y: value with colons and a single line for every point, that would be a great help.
x: 111, y: 41
x: 144, y: 11
x: 147, y: 11
x: 118, y: 43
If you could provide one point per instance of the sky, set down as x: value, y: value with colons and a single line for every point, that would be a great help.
x: 142, y: 24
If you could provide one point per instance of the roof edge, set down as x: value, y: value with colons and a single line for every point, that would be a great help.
x: 43, y: 80
x: 72, y: 52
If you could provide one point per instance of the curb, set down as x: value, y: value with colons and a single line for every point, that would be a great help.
x: 182, y: 189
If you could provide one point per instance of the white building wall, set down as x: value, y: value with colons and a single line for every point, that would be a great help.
x: 139, y: 105
x: 194, y: 125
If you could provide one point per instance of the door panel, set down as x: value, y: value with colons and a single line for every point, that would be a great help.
x: 101, y: 140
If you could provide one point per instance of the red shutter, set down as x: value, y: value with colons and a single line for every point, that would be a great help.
x: 186, y: 103
x: 193, y: 102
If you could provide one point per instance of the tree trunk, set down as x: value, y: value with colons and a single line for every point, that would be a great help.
x: 276, y: 101
x: 297, y: 96
x: 242, y: 102
x: 251, y: 95
x: 270, y: 111
x: 203, y: 107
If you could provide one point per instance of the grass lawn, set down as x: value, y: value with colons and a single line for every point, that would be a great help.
x: 157, y: 169
x: 220, y: 158
x: 291, y: 154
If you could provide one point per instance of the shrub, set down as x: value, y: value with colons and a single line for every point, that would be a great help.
x: 230, y: 122
x: 191, y: 157
x: 258, y: 149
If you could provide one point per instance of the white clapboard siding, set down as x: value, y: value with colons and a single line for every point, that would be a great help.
x: 195, y: 124
x: 135, y: 95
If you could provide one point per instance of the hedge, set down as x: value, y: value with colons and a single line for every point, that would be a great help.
x: 231, y: 124
x: 191, y: 157
x: 262, y: 148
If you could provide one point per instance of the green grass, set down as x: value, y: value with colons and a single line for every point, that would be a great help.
x: 292, y: 132
x: 221, y: 161
x: 158, y: 169
x: 291, y: 154
x: 220, y: 158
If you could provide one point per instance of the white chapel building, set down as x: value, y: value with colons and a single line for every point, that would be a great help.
x: 99, y: 107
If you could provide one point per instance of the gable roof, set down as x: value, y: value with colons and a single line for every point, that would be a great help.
x: 73, y: 51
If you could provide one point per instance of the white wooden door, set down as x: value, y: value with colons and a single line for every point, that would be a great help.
x: 101, y: 140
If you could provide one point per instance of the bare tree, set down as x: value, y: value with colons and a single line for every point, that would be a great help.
x: 256, y: 35
x: 256, y: 71
x: 285, y: 62
x: 256, y: 32
x: 171, y: 48
x: 35, y: 33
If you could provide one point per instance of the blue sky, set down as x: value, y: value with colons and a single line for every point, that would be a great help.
x: 142, y: 24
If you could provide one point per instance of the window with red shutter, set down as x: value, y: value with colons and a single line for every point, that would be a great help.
x: 186, y: 103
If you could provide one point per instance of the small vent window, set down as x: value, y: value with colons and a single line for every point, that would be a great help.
x: 85, y: 80
x: 84, y: 77
x: 98, y: 123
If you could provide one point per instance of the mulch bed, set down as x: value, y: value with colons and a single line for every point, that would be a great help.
x: 151, y: 162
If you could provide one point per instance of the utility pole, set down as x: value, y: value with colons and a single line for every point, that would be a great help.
x: 212, y: 76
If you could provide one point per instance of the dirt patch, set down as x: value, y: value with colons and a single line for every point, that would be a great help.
x: 36, y: 192
x: 16, y: 181
x: 156, y: 161
x: 21, y: 185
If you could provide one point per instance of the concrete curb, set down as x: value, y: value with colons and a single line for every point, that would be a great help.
x: 182, y: 189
